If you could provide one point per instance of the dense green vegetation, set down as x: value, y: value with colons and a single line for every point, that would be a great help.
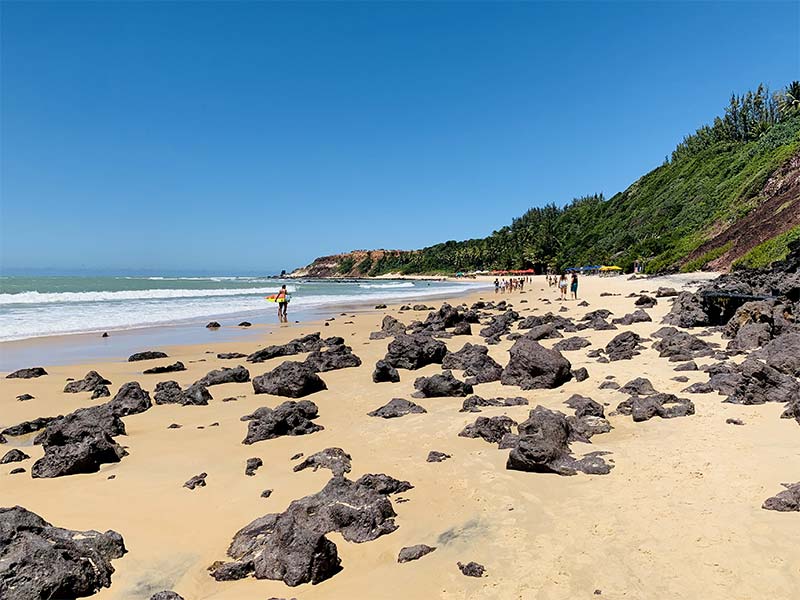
x: 713, y: 176
x: 770, y: 251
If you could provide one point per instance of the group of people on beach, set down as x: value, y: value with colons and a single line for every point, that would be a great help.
x: 561, y: 282
x: 501, y: 286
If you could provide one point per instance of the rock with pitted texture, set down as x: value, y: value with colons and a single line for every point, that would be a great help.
x: 335, y: 459
x: 414, y: 351
x: 12, y: 456
x: 471, y: 569
x: 476, y: 363
x: 38, y: 560
x: 638, y: 387
x: 533, y: 366
x: 166, y: 595
x: 666, y: 406
x: 385, y: 373
x: 472, y: 403
x: 436, y: 456
x: 196, y: 481
x: 332, y: 358
x: 490, y: 429
x: 786, y: 501
x: 623, y: 346
x: 307, y: 343
x: 291, y: 379
x: 441, y: 385
x: 225, y: 375
x: 289, y: 418
x: 253, y: 465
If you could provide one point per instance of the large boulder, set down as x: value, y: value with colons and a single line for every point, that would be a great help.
x: 38, y: 560
x: 307, y: 343
x: 414, y: 351
x: 783, y: 353
x: 533, y: 366
x: 623, y: 346
x: 476, y: 363
x: 131, y: 399
x: 291, y: 546
x: 688, y: 310
x: 758, y: 383
x: 291, y: 379
x: 289, y: 418
x: 666, y: 406
x: 543, y: 446
x: 169, y: 392
x: 441, y: 385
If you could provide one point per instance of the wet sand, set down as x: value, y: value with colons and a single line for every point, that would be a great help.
x: 678, y: 517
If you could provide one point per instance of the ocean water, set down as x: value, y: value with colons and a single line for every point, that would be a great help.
x: 41, y: 306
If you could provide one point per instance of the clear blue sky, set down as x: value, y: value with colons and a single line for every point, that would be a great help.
x: 237, y: 136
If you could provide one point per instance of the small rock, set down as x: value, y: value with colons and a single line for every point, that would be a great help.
x: 410, y: 553
x: 436, y: 456
x: 471, y: 569
x: 196, y: 481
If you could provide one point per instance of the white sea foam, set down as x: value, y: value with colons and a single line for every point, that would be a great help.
x: 387, y: 286
x: 153, y: 294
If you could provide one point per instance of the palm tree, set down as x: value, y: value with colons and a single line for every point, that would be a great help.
x: 790, y: 102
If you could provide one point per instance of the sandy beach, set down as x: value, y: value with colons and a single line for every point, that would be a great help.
x: 678, y: 516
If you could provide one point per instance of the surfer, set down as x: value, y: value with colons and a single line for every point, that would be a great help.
x: 282, y: 299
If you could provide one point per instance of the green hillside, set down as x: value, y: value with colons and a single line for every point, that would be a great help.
x: 682, y: 215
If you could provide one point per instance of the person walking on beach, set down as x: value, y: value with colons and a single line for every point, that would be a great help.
x: 282, y: 300
x: 573, y: 287
x: 496, y: 285
x: 562, y: 286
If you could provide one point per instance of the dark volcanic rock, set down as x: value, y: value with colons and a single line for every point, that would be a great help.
x: 638, y: 316
x: 547, y: 331
x: 390, y: 327
x: 463, y: 328
x: 500, y: 324
x: 476, y: 363
x: 623, y: 347
x: 471, y: 569
x: 543, y: 446
x: 91, y: 381
x: 580, y: 374
x: 29, y: 373
x: 414, y: 351
x: 253, y: 465
x: 734, y: 422
x: 24, y: 397
x: 472, y: 403
x: 533, y: 366
x: 666, y: 406
x: 131, y: 399
x: 291, y: 546
x: 38, y: 560
x: 758, y: 383
x: 680, y: 346
x: 166, y: 595
x: 196, y: 481
x: 13, y: 456
x: 396, y: 407
x: 335, y: 459
x: 30, y: 426
x: 440, y: 385
x: 638, y: 387
x: 307, y: 343
x: 688, y: 310
x: 783, y: 353
x: 584, y: 406
x: 490, y: 429
x: 687, y: 366
x: 225, y: 375
x: 786, y: 501
x: 666, y: 292
x: 410, y: 553
x: 245, y: 324
x: 645, y: 301
x: 213, y: 325
x: 173, y: 368
x: 699, y: 388
x: 289, y: 418
x: 385, y: 373
x: 332, y: 358
x: 230, y: 355
x: 147, y: 355
x: 436, y: 456
x: 571, y: 343
x: 291, y: 379
x: 169, y: 392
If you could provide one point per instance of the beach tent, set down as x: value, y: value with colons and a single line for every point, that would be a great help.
x: 610, y: 270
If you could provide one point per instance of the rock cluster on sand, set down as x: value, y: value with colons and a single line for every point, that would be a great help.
x: 169, y: 392
x: 666, y: 406
x: 91, y: 382
x: 83, y: 440
x: 289, y: 418
x: 472, y: 403
x: 292, y: 546
x: 476, y: 363
x: 306, y: 343
x: 38, y: 560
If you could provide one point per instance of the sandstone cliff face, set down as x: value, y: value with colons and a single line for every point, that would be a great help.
x: 777, y: 211
x: 356, y: 263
